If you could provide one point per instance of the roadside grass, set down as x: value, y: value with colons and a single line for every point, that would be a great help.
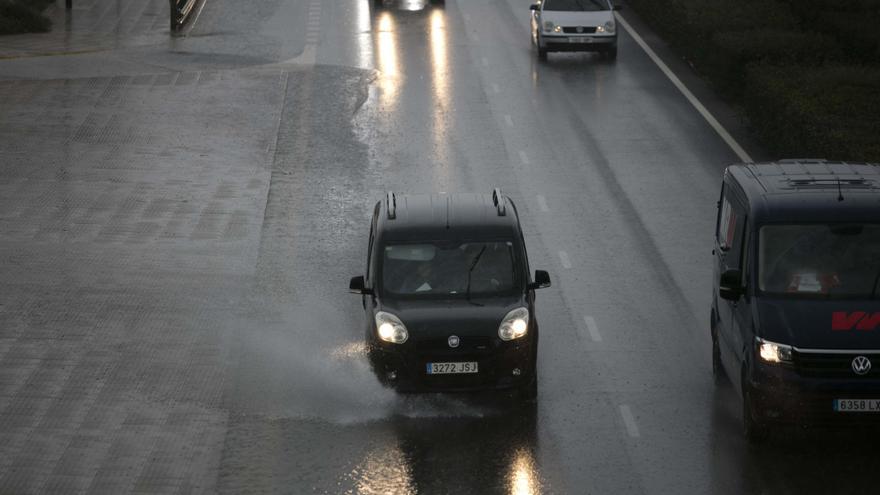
x: 805, y: 73
x: 24, y: 16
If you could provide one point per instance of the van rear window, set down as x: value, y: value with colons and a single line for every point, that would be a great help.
x: 820, y: 260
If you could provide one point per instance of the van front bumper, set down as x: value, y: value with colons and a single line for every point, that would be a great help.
x: 503, y: 365
x: 781, y: 395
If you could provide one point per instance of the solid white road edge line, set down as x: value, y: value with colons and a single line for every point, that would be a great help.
x: 740, y: 152
x: 629, y: 421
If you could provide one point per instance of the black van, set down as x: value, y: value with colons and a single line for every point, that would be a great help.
x: 796, y: 307
x: 448, y: 298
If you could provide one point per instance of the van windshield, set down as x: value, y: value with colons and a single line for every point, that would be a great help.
x: 824, y: 260
x: 576, y: 5
x: 449, y: 269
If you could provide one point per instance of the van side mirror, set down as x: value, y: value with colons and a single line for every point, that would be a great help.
x: 730, y: 286
x: 356, y: 286
x: 542, y: 280
x: 535, y: 6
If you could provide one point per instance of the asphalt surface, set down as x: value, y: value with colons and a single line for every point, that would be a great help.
x: 179, y: 219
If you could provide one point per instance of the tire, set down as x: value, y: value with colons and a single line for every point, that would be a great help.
x: 611, y: 53
x: 718, y: 372
x: 528, y: 393
x: 755, y: 431
x: 542, y: 52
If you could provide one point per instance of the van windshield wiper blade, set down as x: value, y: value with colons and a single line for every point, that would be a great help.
x: 471, y: 271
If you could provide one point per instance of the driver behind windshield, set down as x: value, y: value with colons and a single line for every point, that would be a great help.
x: 456, y: 269
x: 820, y: 259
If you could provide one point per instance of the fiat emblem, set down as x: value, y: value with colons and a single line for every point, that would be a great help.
x: 454, y: 341
x: 860, y: 365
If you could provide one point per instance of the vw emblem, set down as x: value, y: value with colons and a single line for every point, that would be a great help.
x: 454, y: 341
x: 580, y: 29
x: 861, y: 365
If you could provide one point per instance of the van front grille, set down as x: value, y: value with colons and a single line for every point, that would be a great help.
x: 832, y: 365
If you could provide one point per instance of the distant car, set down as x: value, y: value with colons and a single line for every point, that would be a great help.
x: 795, y: 320
x: 574, y: 26
x: 448, y: 297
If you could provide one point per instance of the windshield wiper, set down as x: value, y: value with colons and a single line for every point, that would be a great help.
x: 471, y: 271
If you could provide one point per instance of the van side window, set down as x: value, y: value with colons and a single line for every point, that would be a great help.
x: 731, y: 225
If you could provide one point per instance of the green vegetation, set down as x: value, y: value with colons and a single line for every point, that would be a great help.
x: 23, y: 16
x: 805, y: 72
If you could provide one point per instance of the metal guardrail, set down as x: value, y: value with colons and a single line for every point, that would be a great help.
x: 180, y: 12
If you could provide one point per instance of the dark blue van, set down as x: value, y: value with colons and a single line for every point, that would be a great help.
x: 795, y: 317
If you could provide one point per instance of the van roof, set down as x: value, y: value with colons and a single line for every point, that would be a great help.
x: 447, y: 216
x: 810, y: 190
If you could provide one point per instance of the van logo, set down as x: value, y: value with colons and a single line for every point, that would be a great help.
x: 453, y: 341
x: 860, y: 320
x: 861, y: 365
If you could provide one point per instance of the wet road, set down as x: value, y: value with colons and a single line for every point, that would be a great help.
x: 180, y: 219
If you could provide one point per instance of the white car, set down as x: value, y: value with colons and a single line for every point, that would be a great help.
x: 574, y: 26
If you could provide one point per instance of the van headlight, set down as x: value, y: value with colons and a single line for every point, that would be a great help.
x: 390, y: 328
x: 514, y: 325
x: 549, y: 26
x: 771, y: 352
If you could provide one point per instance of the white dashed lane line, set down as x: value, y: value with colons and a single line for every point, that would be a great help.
x: 542, y: 203
x: 508, y: 120
x: 495, y: 88
x: 524, y: 157
x: 629, y: 421
x: 592, y: 328
x: 563, y: 257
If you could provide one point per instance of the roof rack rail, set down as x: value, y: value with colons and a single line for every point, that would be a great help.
x: 498, y: 200
x: 391, y: 201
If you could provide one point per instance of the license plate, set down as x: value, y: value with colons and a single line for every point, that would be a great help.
x: 580, y: 39
x: 452, y: 368
x: 857, y: 405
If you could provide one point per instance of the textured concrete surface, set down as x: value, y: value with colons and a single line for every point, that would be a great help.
x: 179, y: 220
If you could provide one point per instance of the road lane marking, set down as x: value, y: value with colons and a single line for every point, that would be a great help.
x: 542, y: 203
x: 508, y: 120
x: 485, y: 62
x: 731, y: 142
x: 629, y: 421
x: 566, y: 263
x: 495, y: 88
x: 592, y: 328
x: 524, y: 157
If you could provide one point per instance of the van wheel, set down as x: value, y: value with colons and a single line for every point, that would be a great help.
x: 529, y: 392
x: 755, y: 431
x: 718, y: 372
